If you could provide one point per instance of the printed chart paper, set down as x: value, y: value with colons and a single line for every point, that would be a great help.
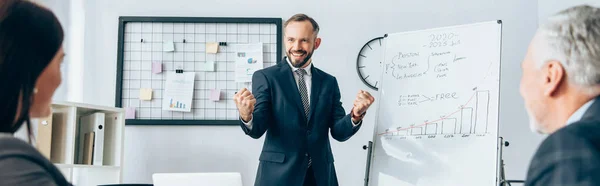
x: 179, y: 91
x: 248, y: 59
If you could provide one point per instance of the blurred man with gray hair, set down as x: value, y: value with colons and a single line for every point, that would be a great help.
x: 561, y: 88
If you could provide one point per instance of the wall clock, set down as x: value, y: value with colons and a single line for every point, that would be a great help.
x: 369, y: 61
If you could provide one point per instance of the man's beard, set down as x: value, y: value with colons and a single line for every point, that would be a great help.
x: 303, y: 62
x: 534, y: 125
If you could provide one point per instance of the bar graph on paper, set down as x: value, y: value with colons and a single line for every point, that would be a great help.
x: 176, y: 104
x: 469, y: 118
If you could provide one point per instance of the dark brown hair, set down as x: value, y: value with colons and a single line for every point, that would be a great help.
x: 30, y: 37
x: 303, y: 17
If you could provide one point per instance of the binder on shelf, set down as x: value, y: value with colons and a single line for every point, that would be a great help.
x: 88, y: 148
x: 92, y: 123
x: 43, y: 140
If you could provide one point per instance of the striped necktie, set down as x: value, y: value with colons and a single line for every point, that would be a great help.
x: 303, y: 91
x: 304, y: 96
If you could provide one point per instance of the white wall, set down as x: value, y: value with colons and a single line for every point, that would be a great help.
x: 346, y: 26
x: 549, y: 7
x: 70, y: 13
x: 62, y: 13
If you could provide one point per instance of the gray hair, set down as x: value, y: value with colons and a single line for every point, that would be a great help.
x: 572, y: 37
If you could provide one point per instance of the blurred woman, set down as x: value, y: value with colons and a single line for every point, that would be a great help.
x: 30, y: 57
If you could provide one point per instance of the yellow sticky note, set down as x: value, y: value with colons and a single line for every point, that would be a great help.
x: 146, y: 94
x: 212, y: 47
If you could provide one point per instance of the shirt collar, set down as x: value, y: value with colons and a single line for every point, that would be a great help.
x: 307, y: 68
x: 576, y: 116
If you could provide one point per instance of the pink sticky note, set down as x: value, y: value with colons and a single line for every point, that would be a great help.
x: 130, y: 113
x: 215, y: 94
x: 156, y: 67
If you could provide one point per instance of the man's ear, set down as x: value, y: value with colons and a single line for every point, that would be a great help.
x: 554, y: 77
x: 317, y: 43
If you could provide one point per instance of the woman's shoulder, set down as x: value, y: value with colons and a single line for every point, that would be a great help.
x: 15, y: 147
x: 22, y: 164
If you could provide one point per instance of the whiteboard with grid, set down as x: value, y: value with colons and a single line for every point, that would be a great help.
x: 141, y: 42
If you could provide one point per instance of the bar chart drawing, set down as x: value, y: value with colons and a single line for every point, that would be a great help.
x: 177, y: 104
x: 431, y: 129
x: 466, y: 120
x: 470, y: 118
x: 449, y: 126
x: 416, y: 131
x: 483, y: 104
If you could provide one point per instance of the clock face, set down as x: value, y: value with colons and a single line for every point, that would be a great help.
x: 369, y: 61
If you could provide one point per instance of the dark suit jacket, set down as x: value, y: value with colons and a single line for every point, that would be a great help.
x: 571, y: 155
x: 290, y: 138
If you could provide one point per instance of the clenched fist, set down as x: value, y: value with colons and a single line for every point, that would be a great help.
x: 361, y: 104
x: 244, y: 100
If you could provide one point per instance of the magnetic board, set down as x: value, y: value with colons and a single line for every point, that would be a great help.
x: 142, y: 42
x: 437, y: 121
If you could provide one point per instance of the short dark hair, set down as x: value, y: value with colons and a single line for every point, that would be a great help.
x: 303, y: 17
x: 30, y: 37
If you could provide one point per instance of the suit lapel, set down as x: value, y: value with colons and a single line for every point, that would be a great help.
x: 291, y: 86
x: 315, y: 91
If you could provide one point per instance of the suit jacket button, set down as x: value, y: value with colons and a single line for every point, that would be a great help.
x: 308, y: 132
x: 306, y: 154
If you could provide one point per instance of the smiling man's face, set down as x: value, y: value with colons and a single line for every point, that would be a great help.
x: 300, y: 42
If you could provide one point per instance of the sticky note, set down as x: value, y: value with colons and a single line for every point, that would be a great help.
x: 212, y: 47
x: 215, y: 94
x: 156, y: 67
x: 130, y: 113
x: 168, y: 46
x: 208, y: 66
x: 146, y: 94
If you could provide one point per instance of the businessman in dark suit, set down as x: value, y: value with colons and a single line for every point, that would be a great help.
x: 298, y: 105
x: 561, y: 88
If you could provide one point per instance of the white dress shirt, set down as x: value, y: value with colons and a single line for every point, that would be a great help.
x: 307, y: 81
x: 576, y: 116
